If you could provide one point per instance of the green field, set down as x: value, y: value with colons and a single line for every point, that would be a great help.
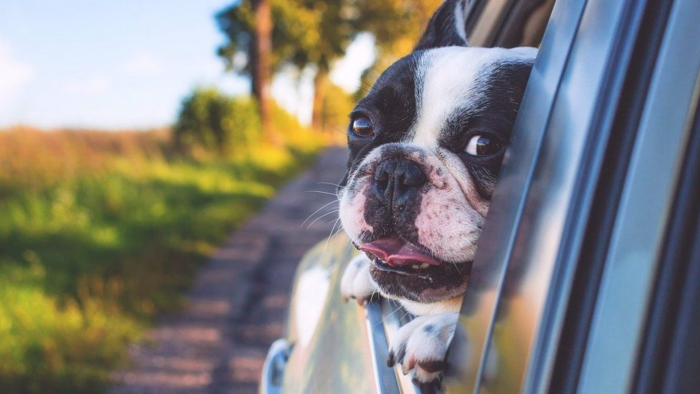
x: 100, y: 232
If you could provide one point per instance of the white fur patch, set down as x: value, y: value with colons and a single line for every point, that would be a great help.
x: 423, y: 340
x: 352, y: 213
x: 356, y: 281
x: 448, y: 83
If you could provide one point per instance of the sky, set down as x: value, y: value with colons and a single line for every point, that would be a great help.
x: 128, y: 63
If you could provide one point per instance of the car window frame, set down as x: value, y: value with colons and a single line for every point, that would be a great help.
x: 637, y: 240
x: 485, y: 27
x: 482, y: 298
x: 668, y: 360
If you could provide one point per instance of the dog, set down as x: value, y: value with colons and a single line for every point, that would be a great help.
x: 426, y: 146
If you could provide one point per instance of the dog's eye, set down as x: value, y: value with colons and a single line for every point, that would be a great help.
x: 362, y: 127
x: 481, y: 145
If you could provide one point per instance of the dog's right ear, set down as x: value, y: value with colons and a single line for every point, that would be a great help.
x: 447, y: 26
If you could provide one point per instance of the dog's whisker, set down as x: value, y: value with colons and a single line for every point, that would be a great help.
x: 340, y: 228
x: 321, y: 217
x: 328, y: 183
x: 325, y: 247
x: 331, y: 184
x: 320, y: 192
x: 315, y: 212
x: 339, y: 130
x: 398, y: 308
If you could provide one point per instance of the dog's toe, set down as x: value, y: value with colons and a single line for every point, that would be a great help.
x: 421, y: 345
x: 356, y: 281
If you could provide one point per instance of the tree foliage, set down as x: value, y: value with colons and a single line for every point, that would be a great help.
x: 318, y: 32
x: 298, y: 29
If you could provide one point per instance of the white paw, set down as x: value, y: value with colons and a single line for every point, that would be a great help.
x: 421, y: 345
x: 356, y: 281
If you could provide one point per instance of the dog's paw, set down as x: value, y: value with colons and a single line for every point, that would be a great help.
x: 421, y: 345
x: 356, y: 281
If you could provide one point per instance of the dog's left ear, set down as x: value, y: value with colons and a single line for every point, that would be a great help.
x: 447, y: 26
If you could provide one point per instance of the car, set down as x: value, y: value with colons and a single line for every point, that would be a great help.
x: 586, y: 276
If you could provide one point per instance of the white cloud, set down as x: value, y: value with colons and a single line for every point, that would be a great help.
x: 142, y: 65
x: 13, y: 74
x: 90, y: 86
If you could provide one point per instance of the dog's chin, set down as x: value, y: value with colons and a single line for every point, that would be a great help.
x: 423, y: 285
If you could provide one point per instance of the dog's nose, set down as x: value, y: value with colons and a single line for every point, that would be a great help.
x: 396, y: 181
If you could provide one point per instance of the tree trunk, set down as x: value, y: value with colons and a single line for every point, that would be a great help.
x: 320, y: 88
x: 260, y: 60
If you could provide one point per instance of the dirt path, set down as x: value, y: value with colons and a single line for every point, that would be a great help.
x: 238, y: 304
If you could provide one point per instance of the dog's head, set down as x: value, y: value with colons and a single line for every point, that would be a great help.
x: 426, y: 146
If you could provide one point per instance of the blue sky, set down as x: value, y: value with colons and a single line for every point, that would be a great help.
x: 123, y: 64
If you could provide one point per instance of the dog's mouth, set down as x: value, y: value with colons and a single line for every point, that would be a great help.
x: 408, y: 271
x: 394, y: 254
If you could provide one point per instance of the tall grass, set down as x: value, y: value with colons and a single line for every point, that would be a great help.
x: 99, y: 232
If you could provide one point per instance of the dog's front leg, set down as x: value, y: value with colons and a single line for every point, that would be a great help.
x: 421, y: 345
x: 356, y: 281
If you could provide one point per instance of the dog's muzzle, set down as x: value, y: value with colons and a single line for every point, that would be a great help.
x: 397, y: 182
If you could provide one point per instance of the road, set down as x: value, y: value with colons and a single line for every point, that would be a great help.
x: 238, y: 304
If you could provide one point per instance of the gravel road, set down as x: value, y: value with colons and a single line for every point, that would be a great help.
x: 238, y: 304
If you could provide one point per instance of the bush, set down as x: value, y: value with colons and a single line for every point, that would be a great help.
x: 212, y: 122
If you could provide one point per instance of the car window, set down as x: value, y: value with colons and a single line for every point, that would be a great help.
x: 504, y: 23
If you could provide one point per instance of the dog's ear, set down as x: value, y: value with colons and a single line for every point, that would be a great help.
x: 447, y: 26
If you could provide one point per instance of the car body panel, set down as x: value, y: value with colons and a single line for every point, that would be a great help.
x: 650, y: 186
x: 328, y: 338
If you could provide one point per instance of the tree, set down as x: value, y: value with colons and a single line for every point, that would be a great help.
x: 251, y: 23
x: 261, y: 62
x: 397, y: 26
x: 317, y: 32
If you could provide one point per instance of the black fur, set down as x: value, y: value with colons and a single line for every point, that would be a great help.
x: 441, y: 30
x: 501, y: 89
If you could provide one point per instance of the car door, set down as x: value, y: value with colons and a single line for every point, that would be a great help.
x: 566, y: 293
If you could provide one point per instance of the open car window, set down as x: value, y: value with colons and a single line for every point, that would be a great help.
x: 494, y: 23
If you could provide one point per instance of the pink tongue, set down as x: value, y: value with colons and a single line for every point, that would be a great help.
x: 396, y: 252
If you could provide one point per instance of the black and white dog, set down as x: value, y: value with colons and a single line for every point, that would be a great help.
x: 426, y: 146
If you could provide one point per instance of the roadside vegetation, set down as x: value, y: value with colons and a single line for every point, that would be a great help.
x: 101, y: 231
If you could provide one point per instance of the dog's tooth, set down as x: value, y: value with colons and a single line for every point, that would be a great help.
x: 415, y: 266
x: 425, y: 265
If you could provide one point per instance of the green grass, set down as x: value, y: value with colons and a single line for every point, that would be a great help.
x: 87, y: 261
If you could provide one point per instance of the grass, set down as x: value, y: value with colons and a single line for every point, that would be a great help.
x: 100, y: 232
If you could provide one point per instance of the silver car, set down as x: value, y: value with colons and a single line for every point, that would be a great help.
x: 589, y: 264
